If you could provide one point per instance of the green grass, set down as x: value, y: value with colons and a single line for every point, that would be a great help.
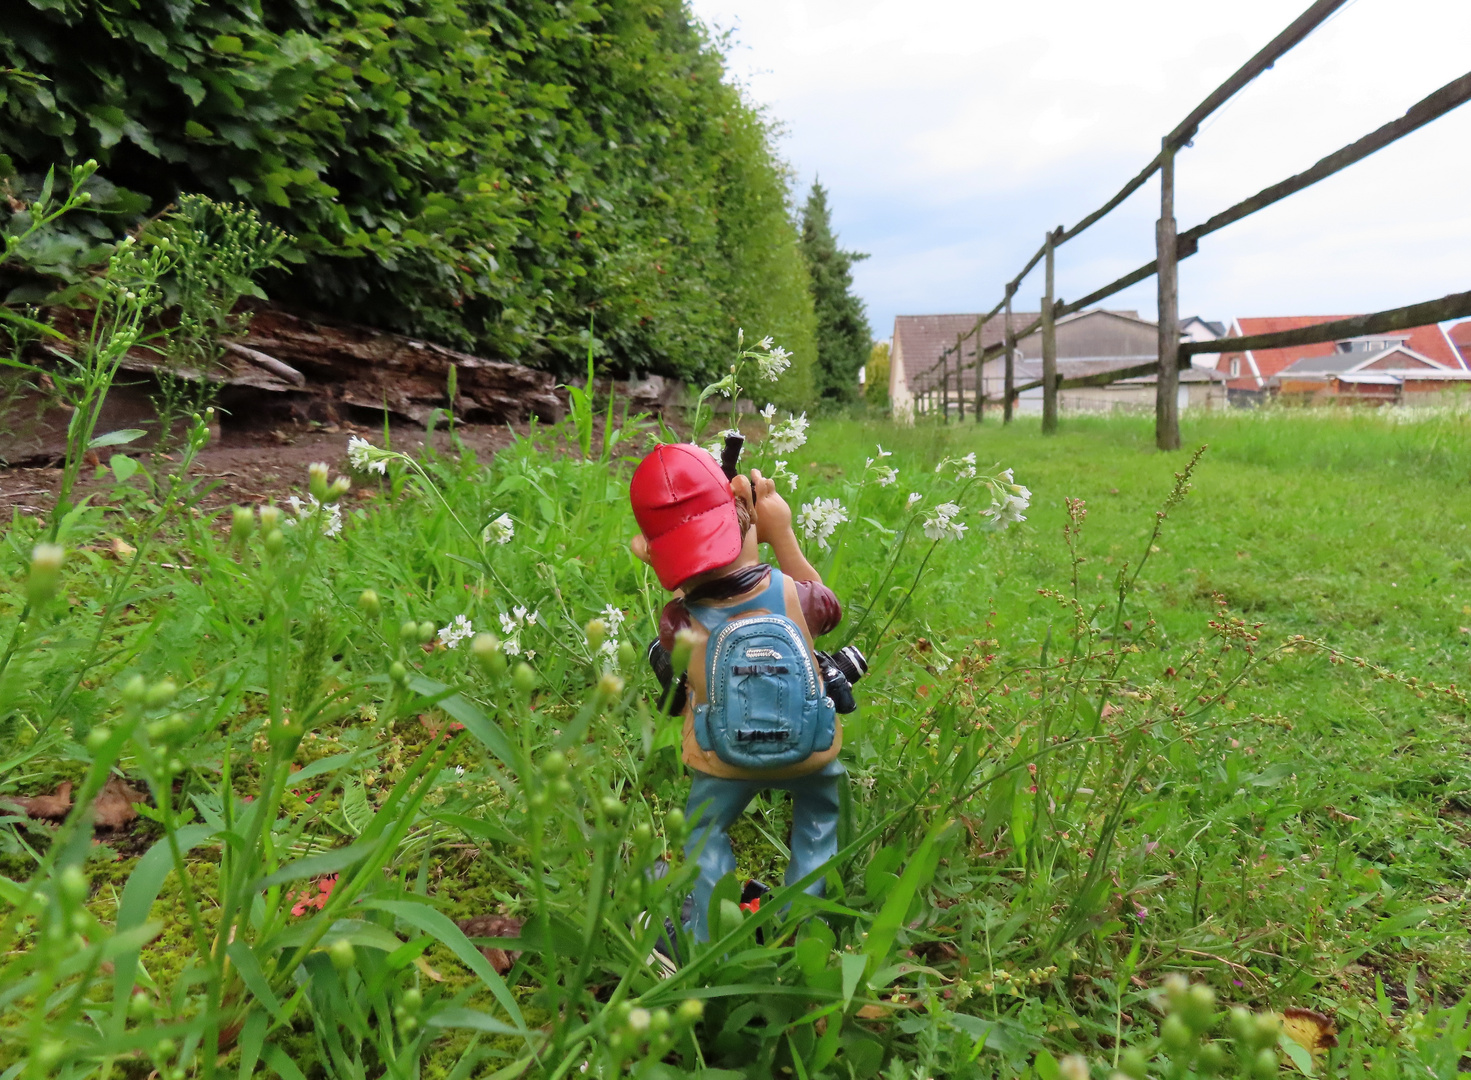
x: 1058, y: 798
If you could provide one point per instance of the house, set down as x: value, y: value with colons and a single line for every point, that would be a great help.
x: 1088, y: 343
x: 1252, y: 376
x: 1197, y: 329
x: 1461, y: 339
x: 1368, y: 369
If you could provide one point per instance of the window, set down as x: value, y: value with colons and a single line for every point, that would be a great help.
x: 1235, y: 367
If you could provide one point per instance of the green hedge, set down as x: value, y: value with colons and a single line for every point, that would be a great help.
x: 488, y: 174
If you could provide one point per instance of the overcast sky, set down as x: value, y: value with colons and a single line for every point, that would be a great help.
x: 952, y: 133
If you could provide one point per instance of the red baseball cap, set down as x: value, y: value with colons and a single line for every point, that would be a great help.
x: 685, y: 510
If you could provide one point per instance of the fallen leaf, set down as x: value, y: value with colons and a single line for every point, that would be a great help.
x: 484, y: 926
x: 122, y: 549
x: 873, y: 1012
x: 51, y: 807
x: 1311, y: 1030
x: 306, y: 899
x: 113, y: 807
x: 423, y: 965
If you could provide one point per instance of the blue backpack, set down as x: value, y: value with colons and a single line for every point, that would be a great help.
x: 766, y: 707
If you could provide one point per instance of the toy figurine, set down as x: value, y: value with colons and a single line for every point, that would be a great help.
x: 758, y: 700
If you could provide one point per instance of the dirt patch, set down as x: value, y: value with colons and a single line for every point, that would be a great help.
x: 253, y: 466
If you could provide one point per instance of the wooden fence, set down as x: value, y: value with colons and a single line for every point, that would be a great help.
x: 1170, y: 248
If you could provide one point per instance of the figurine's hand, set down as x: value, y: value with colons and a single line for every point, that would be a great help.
x: 773, y: 515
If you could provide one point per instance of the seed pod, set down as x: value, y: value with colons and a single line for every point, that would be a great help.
x: 1199, y: 1008
x: 597, y: 633
x: 275, y: 542
x: 1264, y: 1065
x: 684, y: 645
x: 1073, y: 1067
x: 524, y: 679
x: 659, y: 1021
x: 97, y: 737
x: 135, y: 690
x: 639, y: 1021
x: 690, y: 1011
x: 408, y: 630
x: 610, y: 685
x: 1266, y: 1027
x: 626, y: 655
x: 426, y: 632
x: 612, y: 809
x: 1175, y: 1033
x: 398, y: 672
x: 270, y: 518
x: 72, y: 883
x: 368, y: 601
x: 1134, y: 1064
x: 642, y: 834
x: 674, y: 824
x: 487, y: 650
x: 1212, y: 1059
x: 554, y: 764
x: 561, y: 789
x: 140, y: 1006
x: 412, y: 1000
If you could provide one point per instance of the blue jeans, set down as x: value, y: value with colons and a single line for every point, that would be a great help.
x: 715, y: 805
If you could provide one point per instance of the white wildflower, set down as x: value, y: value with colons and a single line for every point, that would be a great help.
x: 789, y: 434
x: 884, y: 474
x: 764, y: 343
x: 773, y: 363
x: 361, y: 454
x: 331, y: 513
x: 941, y: 525
x: 456, y: 631
x: 1003, y: 512
x: 882, y: 452
x: 500, y: 530
x: 768, y: 413
x: 609, y: 649
x: 714, y: 449
x: 914, y: 497
x: 508, y: 624
x: 511, y: 646
x: 613, y: 619
x: 783, y: 473
x: 1005, y: 475
x: 820, y: 519
x: 459, y: 772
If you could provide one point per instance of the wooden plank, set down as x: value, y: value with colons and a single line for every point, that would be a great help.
x: 959, y: 377
x: 1167, y: 386
x: 1453, y: 306
x: 1009, y: 347
x: 1049, y: 348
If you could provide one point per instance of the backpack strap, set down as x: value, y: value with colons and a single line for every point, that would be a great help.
x: 773, y: 598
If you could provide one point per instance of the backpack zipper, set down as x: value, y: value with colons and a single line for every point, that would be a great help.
x: 807, y: 669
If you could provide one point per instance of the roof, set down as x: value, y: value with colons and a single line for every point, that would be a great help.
x: 1260, y: 365
x: 1217, y: 329
x: 1077, y: 368
x: 919, y: 340
x: 1343, y: 362
x: 1460, y: 336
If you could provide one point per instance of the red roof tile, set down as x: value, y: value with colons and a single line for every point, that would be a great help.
x: 1429, y: 341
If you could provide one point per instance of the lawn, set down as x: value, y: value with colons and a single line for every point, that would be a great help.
x: 1059, y: 797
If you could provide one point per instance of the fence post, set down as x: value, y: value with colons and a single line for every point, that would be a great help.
x: 980, y: 374
x: 945, y: 385
x: 1049, y: 351
x: 959, y: 378
x: 1008, y: 391
x: 1167, y: 386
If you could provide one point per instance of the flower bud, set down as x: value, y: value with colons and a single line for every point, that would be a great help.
x: 342, y: 954
x: 610, y: 685
x: 97, y: 737
x: 412, y: 1000
x: 626, y: 655
x: 612, y: 809
x: 45, y: 573
x: 398, y: 672
x: 317, y: 480
x: 242, y: 524
x: 1175, y: 1033
x: 426, y: 632
x: 1176, y: 988
x: 135, y: 690
x: 1212, y: 1059
x: 1073, y: 1067
x: 561, y: 789
x: 338, y: 488
x: 73, y: 884
x: 140, y: 1006
x: 597, y: 633
x: 161, y: 693
x: 639, y: 1021
x: 1241, y: 1024
x: 1134, y: 1064
x: 554, y: 765
x: 275, y: 542
x: 690, y: 1011
x: 642, y: 834
x: 487, y: 649
x: 1264, y: 1065
x: 1199, y: 1007
x: 368, y: 601
x: 674, y: 824
x: 165, y: 1049
x: 1266, y: 1027
x: 659, y: 1021
x: 524, y: 679
x: 408, y: 631
x: 684, y: 645
x: 270, y: 518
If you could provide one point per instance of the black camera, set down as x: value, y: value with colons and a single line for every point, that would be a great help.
x: 840, y: 670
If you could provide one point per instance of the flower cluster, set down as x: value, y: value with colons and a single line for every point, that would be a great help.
x: 774, y: 361
x: 782, y: 473
x: 789, y: 434
x: 613, y: 620
x: 942, y: 524
x: 456, y: 632
x: 912, y: 501
x: 331, y: 513
x: 364, y: 456
x: 499, y: 531
x: 1007, y: 502
x: 512, y: 624
x: 965, y: 467
x: 819, y: 520
x: 884, y: 474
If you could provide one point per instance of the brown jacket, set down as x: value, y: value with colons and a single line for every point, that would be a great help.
x: 815, y: 610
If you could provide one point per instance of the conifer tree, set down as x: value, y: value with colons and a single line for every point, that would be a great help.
x: 843, y: 336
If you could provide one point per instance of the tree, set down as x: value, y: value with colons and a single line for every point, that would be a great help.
x: 876, y: 376
x: 843, y: 337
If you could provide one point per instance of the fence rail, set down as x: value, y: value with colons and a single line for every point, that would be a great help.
x: 1171, y: 248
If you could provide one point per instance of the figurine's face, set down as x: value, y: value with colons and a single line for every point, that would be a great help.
x: 740, y: 488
